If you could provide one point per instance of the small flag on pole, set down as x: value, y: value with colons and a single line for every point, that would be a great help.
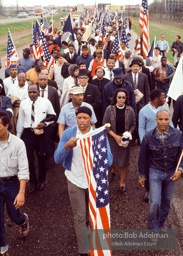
x: 11, y: 50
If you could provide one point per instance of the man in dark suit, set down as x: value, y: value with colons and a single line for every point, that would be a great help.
x: 100, y: 82
x: 140, y: 83
x: 91, y: 91
x: 51, y: 83
x: 145, y: 71
x: 71, y: 56
x: 49, y: 92
x: 105, y: 53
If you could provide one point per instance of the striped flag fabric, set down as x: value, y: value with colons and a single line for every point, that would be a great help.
x: 116, y: 46
x: 46, y: 27
x: 11, y: 50
x: 143, y: 24
x: 48, y: 60
x: 36, y: 54
x: 94, y: 153
x: 138, y: 47
x: 124, y: 37
x: 102, y: 32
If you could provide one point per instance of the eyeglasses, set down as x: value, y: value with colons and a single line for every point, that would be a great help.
x: 82, y: 78
x: 121, y: 97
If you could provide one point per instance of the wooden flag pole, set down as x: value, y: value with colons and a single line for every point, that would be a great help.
x: 180, y: 158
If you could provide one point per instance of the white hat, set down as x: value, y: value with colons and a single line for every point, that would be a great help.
x: 13, y: 58
x: 76, y: 90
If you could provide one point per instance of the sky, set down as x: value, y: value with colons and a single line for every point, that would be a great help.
x: 69, y: 2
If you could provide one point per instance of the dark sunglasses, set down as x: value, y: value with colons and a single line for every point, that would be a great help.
x: 121, y: 97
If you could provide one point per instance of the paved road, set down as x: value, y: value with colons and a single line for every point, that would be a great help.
x: 11, y: 20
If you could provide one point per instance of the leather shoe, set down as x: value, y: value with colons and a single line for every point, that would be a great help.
x: 32, y: 188
x: 122, y: 189
x: 42, y: 186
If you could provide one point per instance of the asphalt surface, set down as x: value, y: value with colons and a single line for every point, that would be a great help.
x: 11, y: 20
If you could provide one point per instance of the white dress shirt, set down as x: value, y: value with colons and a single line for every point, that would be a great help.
x: 8, y: 82
x: 42, y: 107
x: 45, y: 92
x: 77, y: 174
x: 108, y: 74
x: 13, y: 158
x: 137, y: 76
x: 92, y: 49
x: 17, y: 91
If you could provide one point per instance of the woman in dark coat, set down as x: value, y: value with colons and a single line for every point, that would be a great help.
x: 122, y: 119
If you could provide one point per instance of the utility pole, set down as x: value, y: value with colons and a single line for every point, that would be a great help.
x: 1, y: 7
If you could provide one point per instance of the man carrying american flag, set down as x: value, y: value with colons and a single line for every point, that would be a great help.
x: 86, y: 164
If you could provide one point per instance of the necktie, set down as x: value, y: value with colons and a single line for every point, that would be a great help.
x: 110, y: 75
x: 32, y: 114
x: 13, y: 81
x: 42, y: 93
x: 135, y: 82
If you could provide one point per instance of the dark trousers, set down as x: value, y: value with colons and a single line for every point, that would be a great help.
x: 32, y: 143
x: 162, y: 53
x: 8, y: 192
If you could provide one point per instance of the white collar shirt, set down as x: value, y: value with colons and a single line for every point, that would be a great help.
x: 42, y: 107
x: 17, y: 91
x: 13, y: 158
x: 8, y: 82
x: 45, y: 92
x: 137, y: 77
x: 109, y: 74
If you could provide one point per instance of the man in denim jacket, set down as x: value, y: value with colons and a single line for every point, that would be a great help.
x: 160, y: 149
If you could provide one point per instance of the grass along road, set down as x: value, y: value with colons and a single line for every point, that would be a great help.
x: 156, y: 29
x: 21, y: 33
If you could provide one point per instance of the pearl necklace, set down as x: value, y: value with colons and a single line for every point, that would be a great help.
x: 119, y: 106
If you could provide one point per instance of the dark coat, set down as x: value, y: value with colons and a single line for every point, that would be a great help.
x: 111, y: 87
x: 52, y: 83
x: 146, y: 72
x: 92, y: 96
x: 142, y: 86
x: 177, y: 118
x: 54, y: 99
x: 87, y: 60
x: 69, y: 60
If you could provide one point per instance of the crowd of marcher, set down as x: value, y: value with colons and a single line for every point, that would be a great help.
x: 90, y: 84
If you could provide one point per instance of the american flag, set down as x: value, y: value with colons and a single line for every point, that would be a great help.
x: 116, y: 46
x: 138, y: 47
x: 94, y: 154
x: 102, y: 32
x: 108, y: 19
x: 143, y: 24
x: 11, y: 50
x: 46, y: 27
x: 116, y: 16
x: 51, y: 27
x: 36, y: 54
x: 45, y: 53
x: 124, y: 37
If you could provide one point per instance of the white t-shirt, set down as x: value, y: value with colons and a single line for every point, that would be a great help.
x: 58, y: 77
x: 77, y: 174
